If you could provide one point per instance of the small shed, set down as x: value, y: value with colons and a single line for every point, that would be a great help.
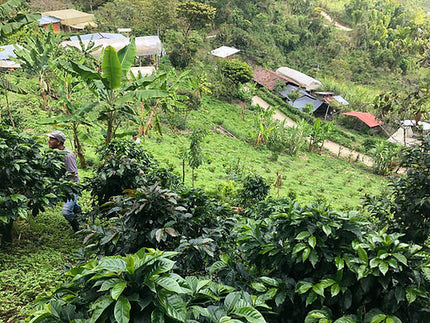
x: 406, y: 134
x: 148, y: 47
x: 47, y: 21
x: 71, y: 19
x: 269, y: 79
x: 421, y: 125
x: 224, y: 51
x: 366, y: 117
x: 303, y: 80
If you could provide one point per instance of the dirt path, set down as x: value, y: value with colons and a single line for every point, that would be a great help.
x: 331, y: 146
x: 336, y: 24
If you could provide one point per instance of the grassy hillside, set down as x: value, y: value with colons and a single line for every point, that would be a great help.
x: 309, y: 176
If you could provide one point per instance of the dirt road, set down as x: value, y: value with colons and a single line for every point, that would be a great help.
x: 331, y: 146
x: 336, y: 24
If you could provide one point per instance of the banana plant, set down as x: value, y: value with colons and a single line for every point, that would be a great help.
x: 265, y: 124
x: 115, y: 92
x: 5, y: 87
x: 37, y: 55
x: 10, y: 22
x: 320, y: 132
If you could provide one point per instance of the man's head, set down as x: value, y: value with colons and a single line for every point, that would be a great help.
x: 56, y: 139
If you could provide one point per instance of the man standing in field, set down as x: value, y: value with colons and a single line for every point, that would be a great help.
x: 71, y: 207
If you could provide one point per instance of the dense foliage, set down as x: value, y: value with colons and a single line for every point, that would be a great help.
x: 335, y: 264
x: 407, y: 207
x: 31, y: 178
x: 143, y: 288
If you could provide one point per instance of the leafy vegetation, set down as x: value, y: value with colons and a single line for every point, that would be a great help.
x: 32, y: 180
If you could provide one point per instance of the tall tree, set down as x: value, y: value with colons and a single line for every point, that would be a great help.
x: 161, y: 14
x: 194, y: 15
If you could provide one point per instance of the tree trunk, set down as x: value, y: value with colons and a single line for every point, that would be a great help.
x: 109, y: 132
x: 183, y: 171
x: 8, y: 109
x: 78, y: 147
x: 43, y: 93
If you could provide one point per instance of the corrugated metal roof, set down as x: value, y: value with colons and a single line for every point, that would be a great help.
x: 9, y: 64
x: 70, y: 17
x: 46, y: 20
x: 8, y: 50
x: 339, y: 99
x: 324, y: 93
x: 268, y: 78
x: 366, y: 117
x: 336, y: 98
x: 289, y: 89
x: 224, y: 51
x: 301, y: 102
x: 303, y: 80
x: 96, y: 36
x: 147, y: 45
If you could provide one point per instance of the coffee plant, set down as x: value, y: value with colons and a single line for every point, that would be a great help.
x: 406, y: 208
x: 324, y: 263
x: 142, y: 287
x: 123, y: 166
x: 254, y: 189
x: 31, y: 178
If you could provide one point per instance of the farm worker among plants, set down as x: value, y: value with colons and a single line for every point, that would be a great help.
x: 136, y: 138
x: 71, y: 208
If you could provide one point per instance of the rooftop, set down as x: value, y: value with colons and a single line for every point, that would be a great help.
x: 224, y: 51
x: 268, y: 78
x: 303, y: 80
x: 366, y: 117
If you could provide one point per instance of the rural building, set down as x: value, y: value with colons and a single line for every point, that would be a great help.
x: 224, y: 51
x: 269, y: 79
x: 291, y: 92
x: 47, y: 21
x: 330, y: 98
x: 148, y: 47
x: 72, y: 20
x: 408, y: 132
x: 6, y: 52
x: 142, y: 70
x: 303, y: 80
x: 318, y: 108
x: 366, y: 118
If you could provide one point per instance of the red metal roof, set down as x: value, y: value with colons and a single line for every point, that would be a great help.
x: 366, y: 117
